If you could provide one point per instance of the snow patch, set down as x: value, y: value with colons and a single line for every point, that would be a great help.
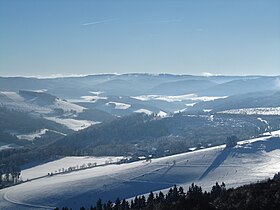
x: 67, y: 106
x: 162, y: 114
x: 73, y: 124
x: 94, y: 98
x: 41, y: 90
x: 145, y: 111
x: 272, y: 133
x: 207, y: 110
x: 254, y: 111
x: 37, y: 134
x: 264, y: 121
x: 118, y: 105
x: 177, y: 98
x: 13, y: 95
x: 9, y: 146
x: 32, y: 136
x: 96, y: 92
x: 190, y: 104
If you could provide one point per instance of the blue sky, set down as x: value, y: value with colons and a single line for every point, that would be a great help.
x: 50, y: 37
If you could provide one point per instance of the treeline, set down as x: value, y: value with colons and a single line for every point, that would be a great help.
x: 9, y: 175
x: 23, y: 122
x: 140, y: 134
x: 259, y: 196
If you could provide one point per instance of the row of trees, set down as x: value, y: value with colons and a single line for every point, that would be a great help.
x: 75, y: 168
x: 176, y: 195
x: 9, y: 175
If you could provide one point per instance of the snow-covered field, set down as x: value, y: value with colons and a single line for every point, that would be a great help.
x: 118, y: 105
x: 32, y: 136
x: 92, y: 98
x: 17, y: 102
x: 254, y: 111
x: 64, y: 163
x: 72, y: 123
x: 66, y: 106
x: 162, y: 114
x: 13, y: 96
x: 145, y: 111
x: 9, y: 146
x: 187, y: 97
x: 249, y: 161
x: 37, y: 134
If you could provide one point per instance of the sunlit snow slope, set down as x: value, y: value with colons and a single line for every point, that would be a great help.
x: 247, y: 162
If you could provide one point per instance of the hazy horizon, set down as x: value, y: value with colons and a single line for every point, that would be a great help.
x: 203, y: 74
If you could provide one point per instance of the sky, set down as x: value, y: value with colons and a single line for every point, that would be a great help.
x: 81, y: 37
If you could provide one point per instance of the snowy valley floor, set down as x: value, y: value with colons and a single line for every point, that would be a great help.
x: 249, y: 161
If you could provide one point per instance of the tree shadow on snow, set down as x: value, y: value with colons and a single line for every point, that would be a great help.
x: 250, y: 148
x: 217, y: 162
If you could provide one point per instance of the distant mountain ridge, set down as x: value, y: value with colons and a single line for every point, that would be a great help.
x: 133, y: 84
x: 76, y: 103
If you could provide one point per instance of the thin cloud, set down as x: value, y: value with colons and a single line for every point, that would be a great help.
x: 163, y: 21
x: 170, y: 21
x: 98, y: 22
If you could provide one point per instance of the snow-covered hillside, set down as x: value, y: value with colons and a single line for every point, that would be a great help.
x: 254, y: 111
x: 31, y: 101
x: 73, y: 124
x: 47, y: 106
x: 174, y: 98
x: 64, y: 163
x: 247, y: 162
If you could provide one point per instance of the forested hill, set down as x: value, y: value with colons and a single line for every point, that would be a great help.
x: 141, y: 134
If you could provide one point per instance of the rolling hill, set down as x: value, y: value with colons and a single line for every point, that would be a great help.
x: 259, y: 157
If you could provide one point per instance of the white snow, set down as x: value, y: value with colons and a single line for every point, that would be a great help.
x: 94, y: 98
x: 179, y: 111
x: 88, y: 98
x: 36, y: 134
x: 67, y: 106
x: 13, y: 95
x: 41, y: 90
x: 145, y: 111
x: 9, y: 146
x: 72, y: 123
x: 207, y: 110
x: 179, y: 98
x: 249, y: 161
x: 20, y: 103
x: 273, y: 133
x: 96, y: 92
x: 118, y: 105
x: 162, y: 114
x: 254, y: 111
x: 190, y: 104
x: 32, y: 136
x: 64, y: 163
x: 182, y: 110
x: 264, y: 121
